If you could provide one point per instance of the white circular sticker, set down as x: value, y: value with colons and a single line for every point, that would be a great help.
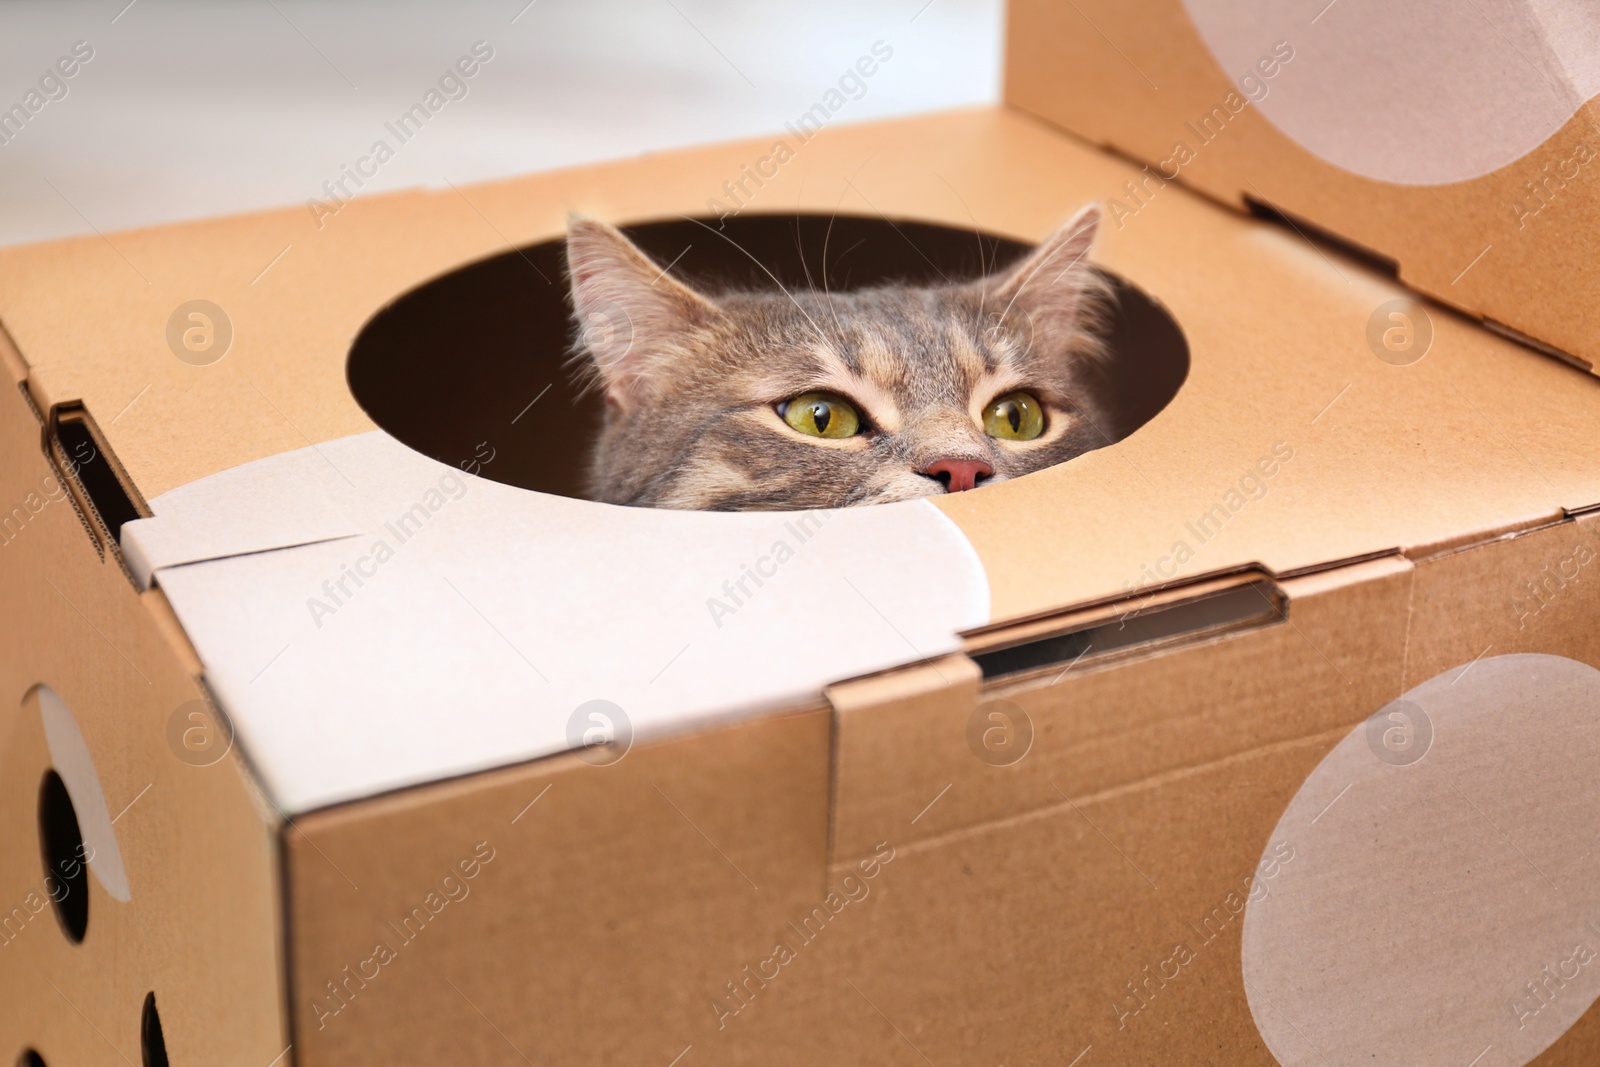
x: 1426, y: 92
x: 1443, y: 905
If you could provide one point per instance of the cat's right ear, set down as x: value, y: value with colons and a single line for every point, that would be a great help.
x: 631, y: 314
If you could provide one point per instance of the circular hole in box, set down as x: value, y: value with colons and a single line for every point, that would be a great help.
x: 480, y: 354
x: 66, y: 872
x: 30, y: 1058
x: 152, y: 1042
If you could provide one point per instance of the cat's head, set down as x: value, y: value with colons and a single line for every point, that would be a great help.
x: 793, y: 400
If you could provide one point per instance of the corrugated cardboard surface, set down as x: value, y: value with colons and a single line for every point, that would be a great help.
x: 1535, y: 593
x: 1063, y: 887
x: 616, y: 903
x: 1139, y: 77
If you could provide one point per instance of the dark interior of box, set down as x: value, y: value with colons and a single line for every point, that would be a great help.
x: 475, y: 362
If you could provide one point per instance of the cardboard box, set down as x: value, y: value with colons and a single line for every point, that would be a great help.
x: 1260, y: 735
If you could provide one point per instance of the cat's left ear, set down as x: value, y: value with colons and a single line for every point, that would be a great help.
x: 631, y: 314
x: 1054, y: 283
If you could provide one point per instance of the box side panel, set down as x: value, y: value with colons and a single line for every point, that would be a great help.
x: 1054, y: 931
x: 558, y: 910
x: 1129, y: 918
x: 178, y: 899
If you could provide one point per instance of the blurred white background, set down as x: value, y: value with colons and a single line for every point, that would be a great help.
x: 192, y: 109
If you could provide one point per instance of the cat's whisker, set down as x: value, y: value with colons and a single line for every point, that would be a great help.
x: 811, y: 284
x: 1031, y: 275
x: 977, y: 231
x: 901, y: 232
x: 1057, y: 250
x: 781, y: 287
x: 826, y: 235
x: 984, y: 270
x: 800, y: 251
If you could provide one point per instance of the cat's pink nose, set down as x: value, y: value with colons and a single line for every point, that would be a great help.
x: 958, y: 475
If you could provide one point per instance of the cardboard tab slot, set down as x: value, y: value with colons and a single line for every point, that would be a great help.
x: 1539, y: 346
x: 84, y: 463
x: 1377, y: 261
x: 1256, y: 603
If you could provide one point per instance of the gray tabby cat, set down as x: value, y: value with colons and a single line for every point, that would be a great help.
x: 779, y: 400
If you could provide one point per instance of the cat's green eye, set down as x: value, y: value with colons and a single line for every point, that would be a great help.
x: 1014, y: 417
x: 821, y: 415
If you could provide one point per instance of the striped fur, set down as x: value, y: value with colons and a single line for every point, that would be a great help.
x: 692, y: 379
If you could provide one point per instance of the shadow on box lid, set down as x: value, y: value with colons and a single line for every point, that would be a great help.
x: 483, y: 349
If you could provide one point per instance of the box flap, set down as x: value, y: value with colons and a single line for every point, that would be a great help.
x: 1457, y: 142
x: 470, y: 624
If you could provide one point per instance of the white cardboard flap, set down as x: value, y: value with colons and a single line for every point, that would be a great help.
x: 224, y: 516
x: 467, y: 622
